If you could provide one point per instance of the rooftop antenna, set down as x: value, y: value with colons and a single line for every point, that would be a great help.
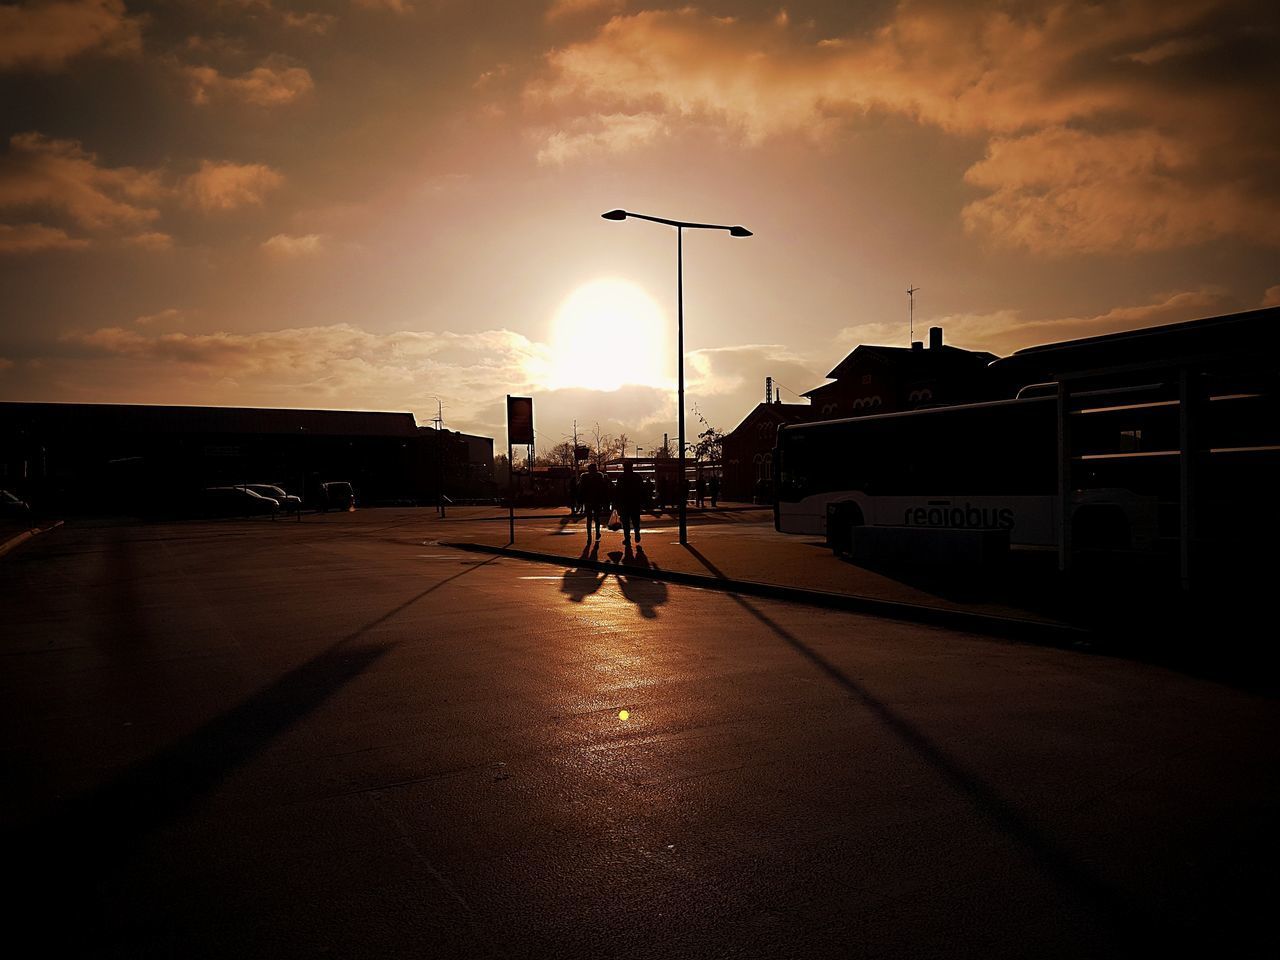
x: 911, y: 314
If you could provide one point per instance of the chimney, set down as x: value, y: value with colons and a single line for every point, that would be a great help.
x: 935, y: 338
x: 917, y: 344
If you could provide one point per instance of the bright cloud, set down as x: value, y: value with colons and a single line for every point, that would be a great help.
x: 284, y: 245
x: 1004, y: 331
x: 226, y: 186
x: 152, y: 240
x: 272, y: 84
x: 45, y: 36
x: 1058, y: 87
x: 166, y: 316
x: 335, y: 366
x: 601, y: 134
x: 1060, y: 191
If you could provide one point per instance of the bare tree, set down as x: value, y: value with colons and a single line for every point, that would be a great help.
x: 561, y: 455
x: 710, y: 442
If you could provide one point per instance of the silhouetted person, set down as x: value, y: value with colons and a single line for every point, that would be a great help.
x: 713, y: 489
x: 575, y: 495
x: 597, y: 491
x: 628, y: 498
x: 700, y: 490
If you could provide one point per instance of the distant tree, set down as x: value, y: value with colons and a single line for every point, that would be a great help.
x: 603, y: 447
x: 710, y: 442
x: 561, y: 455
x: 501, y: 470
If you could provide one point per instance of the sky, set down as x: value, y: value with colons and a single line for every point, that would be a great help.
x: 395, y: 204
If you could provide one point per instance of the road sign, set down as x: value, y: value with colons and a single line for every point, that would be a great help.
x: 519, y: 420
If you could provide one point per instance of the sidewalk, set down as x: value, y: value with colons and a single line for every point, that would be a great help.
x: 737, y: 549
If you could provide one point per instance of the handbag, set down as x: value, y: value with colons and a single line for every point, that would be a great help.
x: 615, y: 521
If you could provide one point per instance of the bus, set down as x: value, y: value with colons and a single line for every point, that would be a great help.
x: 980, y: 466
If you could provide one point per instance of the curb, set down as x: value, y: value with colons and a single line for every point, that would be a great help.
x: 14, y: 542
x: 1014, y: 628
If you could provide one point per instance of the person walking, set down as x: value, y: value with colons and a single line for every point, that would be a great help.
x: 597, y: 491
x: 628, y: 498
x: 713, y: 489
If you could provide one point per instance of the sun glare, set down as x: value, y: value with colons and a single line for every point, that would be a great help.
x: 609, y: 333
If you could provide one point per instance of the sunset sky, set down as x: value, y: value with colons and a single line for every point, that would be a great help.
x: 376, y: 203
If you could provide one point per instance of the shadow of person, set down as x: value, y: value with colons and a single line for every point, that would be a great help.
x: 578, y: 583
x: 645, y: 592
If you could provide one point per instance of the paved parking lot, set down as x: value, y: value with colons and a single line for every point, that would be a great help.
x: 339, y: 738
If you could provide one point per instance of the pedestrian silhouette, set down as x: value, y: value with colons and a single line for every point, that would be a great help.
x: 597, y: 491
x: 628, y: 498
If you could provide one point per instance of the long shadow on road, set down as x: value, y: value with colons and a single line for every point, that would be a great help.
x: 1121, y: 918
x: 61, y: 857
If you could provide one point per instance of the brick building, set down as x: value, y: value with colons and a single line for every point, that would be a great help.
x: 876, y: 379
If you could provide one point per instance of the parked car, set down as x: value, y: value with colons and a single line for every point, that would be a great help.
x: 14, y: 510
x: 237, y: 502
x: 288, y: 502
x: 337, y: 495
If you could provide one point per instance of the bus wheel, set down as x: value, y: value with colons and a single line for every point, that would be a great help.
x: 1100, y: 528
x: 841, y: 519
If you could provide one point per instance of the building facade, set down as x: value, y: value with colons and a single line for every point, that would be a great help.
x: 876, y: 379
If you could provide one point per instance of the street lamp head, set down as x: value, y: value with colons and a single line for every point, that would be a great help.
x: 615, y: 215
x: 734, y: 231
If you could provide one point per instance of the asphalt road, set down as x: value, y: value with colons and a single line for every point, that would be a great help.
x: 337, y: 738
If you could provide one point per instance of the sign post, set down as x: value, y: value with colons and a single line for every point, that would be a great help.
x: 519, y: 430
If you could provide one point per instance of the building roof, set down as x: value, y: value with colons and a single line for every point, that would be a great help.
x: 944, y: 355
x: 927, y: 362
x: 780, y: 412
x: 147, y: 418
x: 1249, y: 337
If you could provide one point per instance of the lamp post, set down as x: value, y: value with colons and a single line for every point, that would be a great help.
x: 681, y: 226
x: 439, y: 421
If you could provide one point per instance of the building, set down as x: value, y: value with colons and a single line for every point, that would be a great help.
x: 876, y: 379
x: 464, y: 462
x: 747, y: 457
x: 131, y: 458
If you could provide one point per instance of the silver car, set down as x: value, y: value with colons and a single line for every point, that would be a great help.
x: 288, y: 502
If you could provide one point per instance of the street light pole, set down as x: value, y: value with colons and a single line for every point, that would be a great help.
x: 681, y: 226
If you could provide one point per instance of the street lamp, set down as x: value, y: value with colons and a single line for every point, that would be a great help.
x: 681, y: 226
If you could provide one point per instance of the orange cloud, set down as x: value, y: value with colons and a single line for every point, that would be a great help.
x: 152, y: 240
x: 61, y: 176
x: 226, y: 186
x: 1004, y: 331
x: 1096, y: 79
x: 339, y: 365
x: 272, y: 84
x: 45, y: 36
x: 36, y: 237
x: 1063, y: 191
x: 401, y: 7
x: 284, y: 245
x: 611, y: 133
x: 570, y: 8
x: 168, y: 315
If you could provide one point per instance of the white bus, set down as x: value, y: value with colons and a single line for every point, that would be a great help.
x: 982, y: 466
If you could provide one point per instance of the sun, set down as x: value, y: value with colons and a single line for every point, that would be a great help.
x: 609, y: 333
